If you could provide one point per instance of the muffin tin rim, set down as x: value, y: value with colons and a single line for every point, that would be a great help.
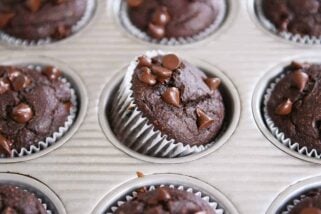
x: 258, y: 96
x: 164, y: 178
x: 251, y: 8
x: 36, y: 185
x: 293, y: 190
x: 82, y: 97
x: 232, y: 11
x: 224, y: 138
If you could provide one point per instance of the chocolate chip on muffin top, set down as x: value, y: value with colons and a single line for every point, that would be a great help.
x: 294, y: 105
x: 165, y: 200
x: 33, y: 105
x: 178, y: 99
x: 173, y: 19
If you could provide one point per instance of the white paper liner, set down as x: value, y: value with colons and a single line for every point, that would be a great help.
x: 213, y: 204
x: 280, y: 136
x: 75, y: 28
x: 140, y: 135
x: 132, y: 29
x: 267, y: 24
x: 56, y: 135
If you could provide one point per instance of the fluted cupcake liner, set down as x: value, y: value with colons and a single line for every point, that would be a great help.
x: 277, y: 133
x: 293, y: 203
x: 136, y: 132
x: 213, y: 204
x: 131, y: 28
x: 11, y: 40
x: 56, y: 135
x: 302, y: 39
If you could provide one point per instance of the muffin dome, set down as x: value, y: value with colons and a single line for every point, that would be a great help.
x: 38, y: 19
x: 165, y: 200
x: 295, y: 16
x: 33, y: 105
x: 173, y: 19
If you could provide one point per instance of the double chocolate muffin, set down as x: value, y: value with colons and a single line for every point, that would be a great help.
x: 165, y: 200
x: 310, y: 204
x: 33, y: 105
x: 39, y: 19
x: 178, y: 99
x: 301, y: 17
x: 174, y: 19
x: 295, y: 105
x: 14, y: 200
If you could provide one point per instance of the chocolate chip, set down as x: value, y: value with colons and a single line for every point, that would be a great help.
x: 155, y: 31
x: 134, y: 3
x: 12, y: 74
x: 68, y: 105
x: 62, y: 31
x: 161, y: 72
x: 284, y: 108
x: 145, y: 75
x: 5, y: 145
x: 33, y: 5
x: 172, y: 96
x: 9, y: 210
x: 20, y: 82
x: 300, y: 79
x: 163, y: 195
x: 52, y: 73
x: 144, y: 61
x: 213, y: 83
x: 203, y: 120
x: 161, y: 16
x: 171, y: 61
x: 22, y: 113
x: 140, y: 174
x: 4, y: 86
x: 310, y: 210
x: 296, y: 65
x: 5, y: 19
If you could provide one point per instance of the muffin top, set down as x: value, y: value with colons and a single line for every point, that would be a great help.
x: 40, y: 19
x: 173, y: 19
x: 295, y: 16
x: 164, y: 200
x: 178, y: 99
x: 310, y: 204
x: 14, y: 200
x: 295, y: 104
x: 33, y: 105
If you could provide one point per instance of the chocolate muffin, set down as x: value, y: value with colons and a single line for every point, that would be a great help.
x: 39, y: 19
x: 178, y: 99
x: 165, y: 200
x: 14, y: 200
x: 301, y: 17
x: 174, y: 19
x: 295, y: 105
x: 310, y: 204
x: 33, y: 105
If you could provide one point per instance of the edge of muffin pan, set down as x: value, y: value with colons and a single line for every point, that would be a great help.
x: 258, y: 18
x: 258, y: 98
x: 36, y: 187
x: 232, y: 8
x: 91, y: 13
x: 232, y: 103
x: 292, y: 192
x: 81, y: 93
x: 118, y: 194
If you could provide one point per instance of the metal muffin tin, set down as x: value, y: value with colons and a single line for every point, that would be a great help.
x: 247, y: 169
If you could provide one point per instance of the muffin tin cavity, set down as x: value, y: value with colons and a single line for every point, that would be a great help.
x: 47, y: 197
x: 231, y: 101
x: 122, y: 193
x: 285, y: 201
x: 62, y: 32
x: 264, y: 122
x: 256, y: 13
x: 118, y: 10
x: 77, y: 112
